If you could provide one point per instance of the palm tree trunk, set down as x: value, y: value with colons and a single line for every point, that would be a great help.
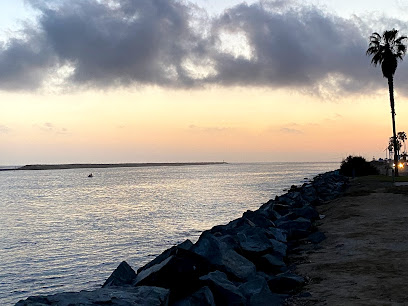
x: 394, y: 134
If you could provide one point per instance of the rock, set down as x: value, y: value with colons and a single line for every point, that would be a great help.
x: 296, y: 229
x: 329, y: 185
x: 202, y: 297
x: 268, y: 211
x: 285, y: 282
x: 186, y: 245
x: 281, y: 209
x: 288, y: 217
x: 271, y: 264
x: 123, y: 275
x: 292, y: 199
x: 257, y: 292
x: 258, y: 219
x: 123, y: 296
x: 223, y: 258
x: 278, y: 234
x: 179, y: 273
x: 224, y: 291
x: 254, y: 242
x: 309, y: 194
x: 307, y: 212
x: 232, y: 227
x: 279, y: 248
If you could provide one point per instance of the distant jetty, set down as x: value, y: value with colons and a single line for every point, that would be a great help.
x: 124, y: 165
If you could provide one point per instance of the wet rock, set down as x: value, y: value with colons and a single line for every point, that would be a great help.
x: 223, y: 258
x: 203, y: 297
x: 186, y: 245
x: 123, y: 275
x: 224, y: 291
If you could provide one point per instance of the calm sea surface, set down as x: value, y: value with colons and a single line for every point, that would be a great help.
x: 62, y: 231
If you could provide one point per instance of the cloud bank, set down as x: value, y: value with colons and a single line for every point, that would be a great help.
x: 169, y: 43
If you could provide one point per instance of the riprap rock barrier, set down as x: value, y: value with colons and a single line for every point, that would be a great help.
x: 244, y: 262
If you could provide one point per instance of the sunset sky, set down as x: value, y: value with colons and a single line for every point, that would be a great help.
x: 198, y: 80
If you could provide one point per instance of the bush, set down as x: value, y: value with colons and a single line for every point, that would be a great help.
x: 357, y: 166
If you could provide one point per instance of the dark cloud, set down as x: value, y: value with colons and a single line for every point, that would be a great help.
x: 173, y: 43
x: 299, y: 47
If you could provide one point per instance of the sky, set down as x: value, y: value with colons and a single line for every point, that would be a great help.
x: 110, y: 81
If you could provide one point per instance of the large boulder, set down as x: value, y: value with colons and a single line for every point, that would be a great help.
x: 309, y: 194
x: 257, y: 293
x: 186, y: 245
x: 225, y: 292
x: 254, y: 242
x: 202, y: 297
x: 232, y: 227
x: 223, y: 258
x: 278, y: 234
x: 307, y: 212
x: 297, y: 229
x: 293, y: 199
x: 121, y: 296
x: 123, y: 275
x: 281, y: 209
x: 271, y: 264
x: 258, y: 219
x: 179, y: 273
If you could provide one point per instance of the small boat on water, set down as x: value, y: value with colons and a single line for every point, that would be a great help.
x: 91, y: 175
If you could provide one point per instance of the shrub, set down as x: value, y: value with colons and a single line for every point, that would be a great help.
x: 357, y: 166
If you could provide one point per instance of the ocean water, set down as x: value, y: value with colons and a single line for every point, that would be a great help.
x: 62, y: 231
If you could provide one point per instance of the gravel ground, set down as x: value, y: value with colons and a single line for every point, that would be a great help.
x: 364, y: 260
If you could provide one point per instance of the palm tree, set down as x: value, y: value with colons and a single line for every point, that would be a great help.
x: 402, y: 136
x: 387, y: 50
x: 391, y: 145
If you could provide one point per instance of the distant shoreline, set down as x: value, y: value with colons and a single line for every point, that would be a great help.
x: 97, y: 166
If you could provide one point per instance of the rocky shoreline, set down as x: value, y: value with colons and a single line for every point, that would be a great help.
x: 245, y: 262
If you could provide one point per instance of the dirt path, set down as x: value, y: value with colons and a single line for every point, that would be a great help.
x: 364, y: 260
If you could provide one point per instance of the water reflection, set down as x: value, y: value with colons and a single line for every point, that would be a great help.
x: 62, y: 231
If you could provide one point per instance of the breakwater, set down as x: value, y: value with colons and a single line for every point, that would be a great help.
x: 99, y: 166
x: 243, y: 262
